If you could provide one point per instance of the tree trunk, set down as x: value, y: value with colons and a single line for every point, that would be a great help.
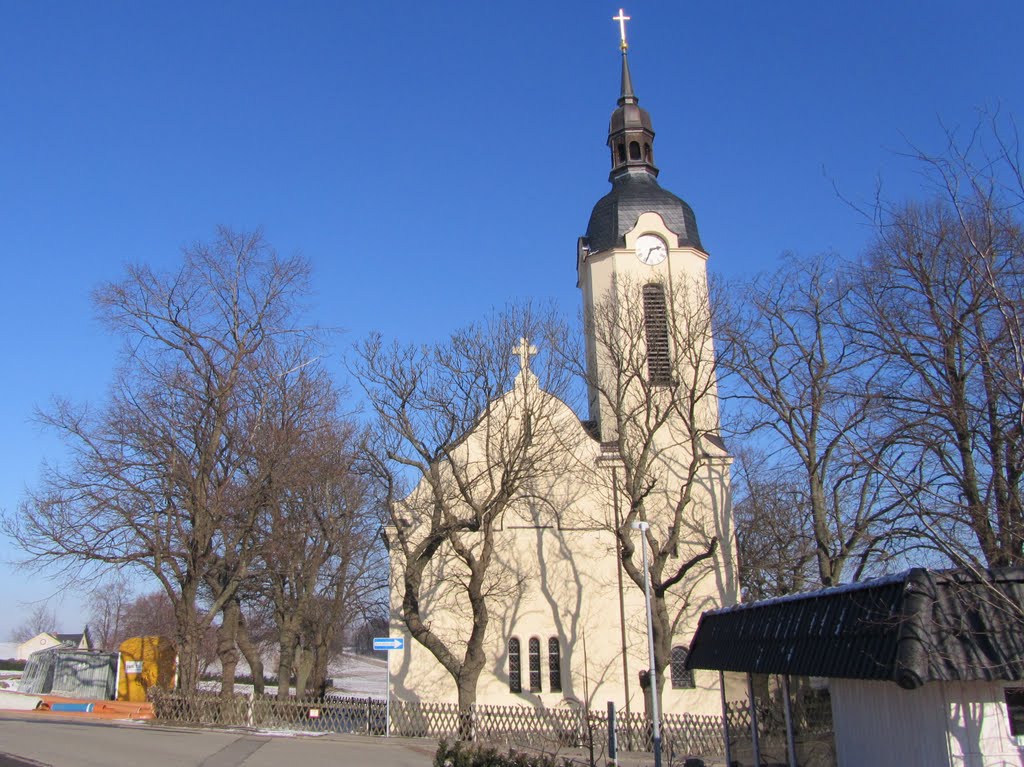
x: 466, y: 684
x: 252, y: 654
x: 320, y: 661
x: 227, y: 651
x: 189, y: 640
x: 286, y: 662
x: 662, y: 646
x: 303, y: 668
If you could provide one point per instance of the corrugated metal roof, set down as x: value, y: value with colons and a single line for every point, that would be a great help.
x: 913, y: 628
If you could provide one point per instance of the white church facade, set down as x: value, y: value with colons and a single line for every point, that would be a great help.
x: 562, y: 596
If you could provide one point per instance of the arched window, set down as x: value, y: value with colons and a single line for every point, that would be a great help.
x: 554, y: 665
x: 647, y: 152
x: 659, y: 364
x: 534, y: 664
x: 622, y: 152
x: 682, y: 678
x: 515, y: 669
x: 634, y: 150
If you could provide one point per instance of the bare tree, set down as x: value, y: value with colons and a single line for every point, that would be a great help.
x: 800, y: 383
x: 108, y: 606
x: 156, y: 473
x: 454, y: 445
x: 652, y: 379
x: 361, y: 635
x: 939, y: 303
x: 149, y: 614
x: 774, y: 531
x: 41, y: 620
x: 290, y: 425
x: 322, y: 562
x: 153, y: 614
x: 955, y: 350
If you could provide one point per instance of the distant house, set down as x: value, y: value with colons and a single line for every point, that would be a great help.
x: 46, y: 640
x: 924, y: 668
x: 81, y: 641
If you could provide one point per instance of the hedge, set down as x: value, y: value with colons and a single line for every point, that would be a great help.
x: 462, y: 754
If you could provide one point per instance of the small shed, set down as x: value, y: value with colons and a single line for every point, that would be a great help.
x: 72, y: 672
x: 923, y: 668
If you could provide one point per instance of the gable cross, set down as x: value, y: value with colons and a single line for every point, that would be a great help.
x: 622, y: 18
x: 524, y: 351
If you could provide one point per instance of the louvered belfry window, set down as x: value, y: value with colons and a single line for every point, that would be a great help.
x: 659, y: 364
x: 554, y: 665
x: 515, y: 671
x: 534, y: 664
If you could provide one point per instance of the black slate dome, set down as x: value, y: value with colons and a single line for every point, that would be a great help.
x: 634, y: 178
x: 634, y: 193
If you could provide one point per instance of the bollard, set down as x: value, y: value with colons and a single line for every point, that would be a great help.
x: 613, y: 742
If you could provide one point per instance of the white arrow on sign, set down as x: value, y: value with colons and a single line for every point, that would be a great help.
x: 389, y: 643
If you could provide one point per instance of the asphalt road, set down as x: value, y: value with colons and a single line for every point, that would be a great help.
x: 32, y: 741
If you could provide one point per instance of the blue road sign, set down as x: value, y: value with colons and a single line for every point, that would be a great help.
x: 388, y: 643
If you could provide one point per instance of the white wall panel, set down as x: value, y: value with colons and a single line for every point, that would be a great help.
x: 882, y: 725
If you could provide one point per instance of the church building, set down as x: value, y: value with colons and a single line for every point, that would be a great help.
x: 560, y: 615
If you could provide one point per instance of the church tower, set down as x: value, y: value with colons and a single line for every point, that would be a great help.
x: 641, y: 239
x: 652, y: 390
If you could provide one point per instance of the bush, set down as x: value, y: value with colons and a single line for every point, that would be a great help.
x: 10, y: 664
x: 462, y: 754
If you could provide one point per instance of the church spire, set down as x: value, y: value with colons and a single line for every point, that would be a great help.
x: 630, y: 135
x: 626, y: 96
x: 635, y: 189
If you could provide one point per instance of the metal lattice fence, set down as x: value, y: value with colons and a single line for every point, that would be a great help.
x: 330, y: 714
x: 516, y: 726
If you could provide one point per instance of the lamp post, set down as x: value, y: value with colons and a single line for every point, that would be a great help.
x: 653, y: 674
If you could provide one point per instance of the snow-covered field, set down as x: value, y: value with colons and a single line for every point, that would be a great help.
x: 9, y: 680
x: 360, y: 675
x: 356, y: 675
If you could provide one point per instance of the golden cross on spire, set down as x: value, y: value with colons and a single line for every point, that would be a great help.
x: 622, y: 18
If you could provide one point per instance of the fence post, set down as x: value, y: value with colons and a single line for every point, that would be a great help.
x: 613, y: 743
x: 725, y: 717
x: 755, y: 739
x: 788, y: 711
x: 250, y: 718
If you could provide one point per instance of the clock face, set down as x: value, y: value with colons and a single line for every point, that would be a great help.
x: 651, y: 249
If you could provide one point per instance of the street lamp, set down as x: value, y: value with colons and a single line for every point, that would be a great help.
x: 653, y: 674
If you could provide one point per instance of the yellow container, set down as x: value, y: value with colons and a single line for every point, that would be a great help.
x: 145, y: 662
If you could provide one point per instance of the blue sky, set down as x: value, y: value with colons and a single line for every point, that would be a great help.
x: 433, y: 160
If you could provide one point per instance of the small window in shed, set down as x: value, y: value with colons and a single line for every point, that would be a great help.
x: 1015, y: 710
